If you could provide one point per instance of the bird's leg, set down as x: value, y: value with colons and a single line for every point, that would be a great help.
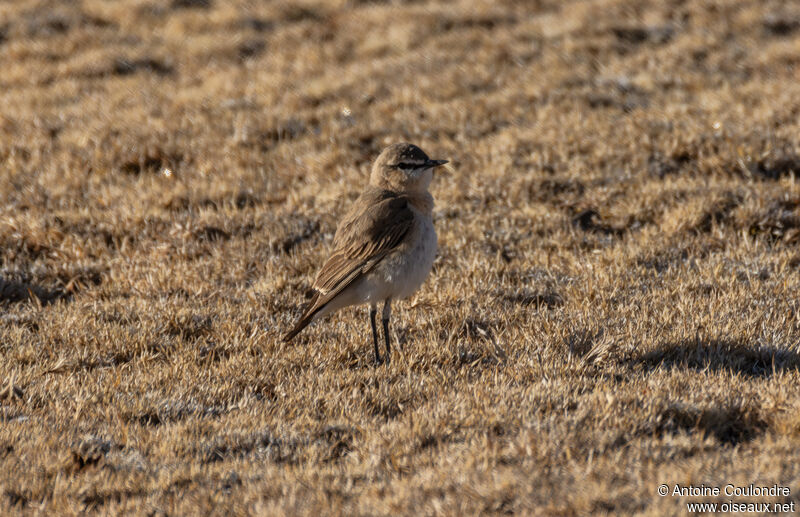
x: 387, y: 312
x: 373, y: 311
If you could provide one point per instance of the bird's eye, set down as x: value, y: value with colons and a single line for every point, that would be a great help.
x: 405, y: 166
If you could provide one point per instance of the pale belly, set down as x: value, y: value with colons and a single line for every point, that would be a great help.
x: 410, y: 271
x: 400, y: 274
x: 397, y: 276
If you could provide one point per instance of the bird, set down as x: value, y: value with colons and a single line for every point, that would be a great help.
x: 384, y: 246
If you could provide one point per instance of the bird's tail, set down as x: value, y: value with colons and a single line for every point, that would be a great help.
x: 303, y: 323
x: 308, y: 315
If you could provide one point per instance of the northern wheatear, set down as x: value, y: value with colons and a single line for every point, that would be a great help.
x: 384, y: 246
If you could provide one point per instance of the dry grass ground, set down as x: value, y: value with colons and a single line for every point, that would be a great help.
x: 614, y: 304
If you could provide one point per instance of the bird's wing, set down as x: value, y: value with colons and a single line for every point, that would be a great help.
x: 362, y: 240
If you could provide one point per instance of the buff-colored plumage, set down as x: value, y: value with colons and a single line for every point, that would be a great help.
x: 385, y: 244
x: 361, y: 241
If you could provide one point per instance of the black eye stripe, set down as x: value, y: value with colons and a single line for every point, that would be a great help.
x: 406, y: 166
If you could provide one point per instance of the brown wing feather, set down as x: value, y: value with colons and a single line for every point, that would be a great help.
x: 362, y: 240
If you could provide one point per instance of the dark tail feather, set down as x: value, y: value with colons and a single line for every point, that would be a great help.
x: 303, y: 323
x: 305, y: 319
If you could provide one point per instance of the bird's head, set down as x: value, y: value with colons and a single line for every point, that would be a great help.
x: 403, y: 167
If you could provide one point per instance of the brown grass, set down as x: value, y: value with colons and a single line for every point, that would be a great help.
x: 614, y: 304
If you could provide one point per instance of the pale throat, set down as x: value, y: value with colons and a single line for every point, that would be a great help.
x: 416, y: 191
x: 422, y: 201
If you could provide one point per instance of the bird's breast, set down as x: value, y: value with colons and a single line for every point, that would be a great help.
x: 408, y: 269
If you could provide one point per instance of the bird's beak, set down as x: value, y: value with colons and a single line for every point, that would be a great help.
x: 435, y: 163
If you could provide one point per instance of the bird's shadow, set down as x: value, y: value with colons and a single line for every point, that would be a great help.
x: 721, y: 355
x: 16, y: 291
